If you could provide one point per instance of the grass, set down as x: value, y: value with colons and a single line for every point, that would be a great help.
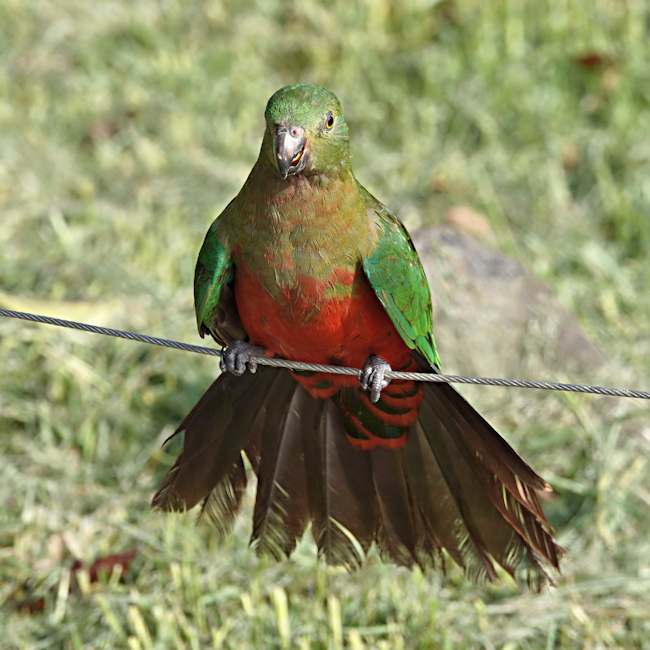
x: 125, y: 127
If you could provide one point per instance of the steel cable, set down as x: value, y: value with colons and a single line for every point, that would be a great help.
x: 339, y: 370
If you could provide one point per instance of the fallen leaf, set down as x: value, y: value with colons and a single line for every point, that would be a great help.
x: 105, y: 565
x: 592, y: 60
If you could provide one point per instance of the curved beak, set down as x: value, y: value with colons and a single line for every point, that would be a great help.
x: 289, y: 146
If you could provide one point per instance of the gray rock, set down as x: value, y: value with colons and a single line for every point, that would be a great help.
x: 493, y: 318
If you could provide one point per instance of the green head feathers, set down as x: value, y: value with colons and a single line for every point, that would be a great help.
x: 306, y: 132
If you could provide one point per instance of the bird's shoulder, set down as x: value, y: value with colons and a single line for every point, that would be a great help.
x: 395, y: 272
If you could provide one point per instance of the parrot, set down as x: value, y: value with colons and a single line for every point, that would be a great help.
x: 304, y: 264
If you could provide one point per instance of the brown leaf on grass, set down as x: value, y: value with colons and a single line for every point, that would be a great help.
x: 104, y: 566
x: 25, y: 601
x: 593, y: 60
x: 28, y: 606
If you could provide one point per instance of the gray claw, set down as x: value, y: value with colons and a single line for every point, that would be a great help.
x: 372, y: 377
x: 238, y: 355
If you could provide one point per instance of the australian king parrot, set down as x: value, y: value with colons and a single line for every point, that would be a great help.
x: 305, y: 264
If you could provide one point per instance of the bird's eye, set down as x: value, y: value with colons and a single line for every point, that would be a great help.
x: 329, y: 120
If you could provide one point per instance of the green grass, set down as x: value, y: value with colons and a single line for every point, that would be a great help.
x: 125, y: 127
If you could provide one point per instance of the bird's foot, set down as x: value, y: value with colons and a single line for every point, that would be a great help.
x: 238, y: 355
x: 372, y: 377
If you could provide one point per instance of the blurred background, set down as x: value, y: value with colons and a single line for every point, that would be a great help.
x: 126, y: 127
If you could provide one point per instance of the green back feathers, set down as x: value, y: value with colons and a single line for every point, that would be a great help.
x: 396, y: 274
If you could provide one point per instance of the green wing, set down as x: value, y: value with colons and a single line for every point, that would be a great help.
x: 396, y: 274
x: 214, y: 272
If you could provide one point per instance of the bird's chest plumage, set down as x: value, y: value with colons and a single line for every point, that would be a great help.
x: 337, y: 319
x: 300, y: 287
x: 295, y: 292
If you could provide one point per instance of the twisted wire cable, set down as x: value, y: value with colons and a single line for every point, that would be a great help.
x: 338, y: 370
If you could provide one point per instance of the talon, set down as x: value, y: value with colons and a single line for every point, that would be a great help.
x: 238, y: 355
x: 372, y: 376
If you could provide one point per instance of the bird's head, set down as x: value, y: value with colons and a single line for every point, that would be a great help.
x: 306, y: 132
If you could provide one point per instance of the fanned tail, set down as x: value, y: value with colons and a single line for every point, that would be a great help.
x: 454, y: 485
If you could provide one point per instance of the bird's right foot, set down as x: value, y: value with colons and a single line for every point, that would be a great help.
x: 372, y: 377
x: 238, y: 355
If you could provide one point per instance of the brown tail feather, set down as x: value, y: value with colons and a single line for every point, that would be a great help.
x: 397, y: 532
x: 488, y: 535
x: 455, y: 485
x: 432, y: 500
x: 341, y: 494
x: 216, y: 430
x: 466, y: 495
x: 521, y: 508
x: 497, y: 456
x: 480, y: 437
x: 222, y: 505
x: 281, y: 507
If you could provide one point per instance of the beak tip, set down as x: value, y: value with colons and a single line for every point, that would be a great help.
x: 288, y: 144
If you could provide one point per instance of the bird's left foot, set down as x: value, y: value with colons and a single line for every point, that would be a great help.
x: 372, y: 376
x: 238, y: 355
